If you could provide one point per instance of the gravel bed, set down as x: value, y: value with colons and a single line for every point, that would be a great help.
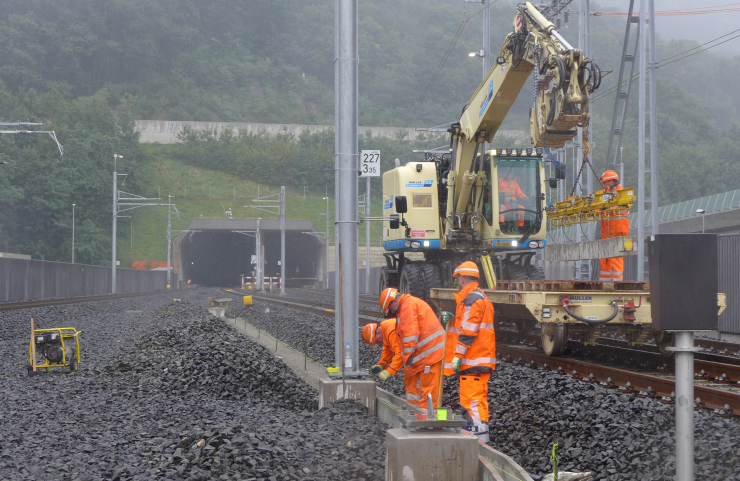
x: 618, y: 437
x: 167, y: 391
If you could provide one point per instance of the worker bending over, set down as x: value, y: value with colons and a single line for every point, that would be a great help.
x: 391, y: 359
x: 471, y: 348
x: 422, y: 339
x: 612, y: 269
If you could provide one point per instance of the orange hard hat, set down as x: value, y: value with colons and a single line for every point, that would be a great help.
x: 468, y: 269
x: 388, y: 295
x: 368, y: 333
x: 609, y: 175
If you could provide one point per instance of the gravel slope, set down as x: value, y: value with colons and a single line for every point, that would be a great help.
x: 167, y: 391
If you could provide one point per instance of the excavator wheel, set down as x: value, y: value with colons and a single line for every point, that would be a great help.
x: 535, y: 273
x: 386, y: 279
x: 412, y: 281
x: 515, y: 272
x: 432, y: 280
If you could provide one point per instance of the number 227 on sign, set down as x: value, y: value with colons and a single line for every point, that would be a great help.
x: 370, y: 163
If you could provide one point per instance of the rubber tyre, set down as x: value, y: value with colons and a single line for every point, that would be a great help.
x: 386, y: 280
x: 412, y: 281
x: 515, y: 272
x: 73, y: 366
x: 432, y: 278
x: 535, y: 273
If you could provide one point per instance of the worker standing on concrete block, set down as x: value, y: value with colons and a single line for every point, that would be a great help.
x: 471, y: 348
x: 612, y: 269
x: 422, y: 339
x: 391, y: 359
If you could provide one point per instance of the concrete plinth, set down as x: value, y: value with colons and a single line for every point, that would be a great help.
x: 218, y: 312
x: 361, y: 390
x: 426, y: 455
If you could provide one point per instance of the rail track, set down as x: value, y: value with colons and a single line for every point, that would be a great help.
x: 15, y: 306
x: 642, y: 372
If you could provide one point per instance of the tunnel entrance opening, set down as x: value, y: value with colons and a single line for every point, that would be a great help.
x: 218, y: 252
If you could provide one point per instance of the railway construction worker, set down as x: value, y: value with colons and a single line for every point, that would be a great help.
x: 612, y: 269
x: 391, y: 359
x: 471, y: 348
x: 422, y: 339
x: 512, y: 194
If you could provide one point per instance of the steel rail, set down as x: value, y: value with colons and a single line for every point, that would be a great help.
x: 712, y: 398
x: 376, y: 315
x: 14, y: 306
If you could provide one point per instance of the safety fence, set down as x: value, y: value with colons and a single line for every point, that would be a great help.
x: 268, y: 283
x: 27, y: 279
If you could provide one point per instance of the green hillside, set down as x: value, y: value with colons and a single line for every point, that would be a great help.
x: 205, y: 193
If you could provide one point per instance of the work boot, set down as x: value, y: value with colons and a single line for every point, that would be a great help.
x: 480, y: 431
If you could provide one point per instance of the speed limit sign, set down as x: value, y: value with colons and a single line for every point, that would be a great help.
x: 370, y: 163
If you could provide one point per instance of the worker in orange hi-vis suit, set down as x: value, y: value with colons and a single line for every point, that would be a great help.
x: 512, y: 195
x: 422, y: 339
x: 612, y: 269
x: 471, y: 348
x: 391, y: 359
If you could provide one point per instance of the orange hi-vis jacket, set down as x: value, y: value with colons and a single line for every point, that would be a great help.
x: 422, y: 335
x: 391, y: 359
x: 616, y: 227
x: 471, y: 336
x: 511, y: 190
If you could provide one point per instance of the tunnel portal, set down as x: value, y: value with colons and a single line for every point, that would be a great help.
x: 217, y: 252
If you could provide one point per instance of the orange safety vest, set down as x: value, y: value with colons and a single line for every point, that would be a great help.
x: 391, y: 358
x: 421, y: 334
x: 511, y: 190
x: 471, y: 336
x: 616, y: 227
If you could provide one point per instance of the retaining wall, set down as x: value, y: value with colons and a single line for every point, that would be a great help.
x: 26, y: 279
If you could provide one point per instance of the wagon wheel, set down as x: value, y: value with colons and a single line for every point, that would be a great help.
x: 664, y: 340
x: 554, y: 337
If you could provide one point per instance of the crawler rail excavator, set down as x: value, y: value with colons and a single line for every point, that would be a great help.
x: 468, y: 204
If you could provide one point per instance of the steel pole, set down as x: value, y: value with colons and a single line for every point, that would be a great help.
x: 282, y: 240
x: 115, y: 225
x: 346, y: 165
x: 169, y: 243
x: 684, y: 405
x: 653, y: 124
x: 258, y: 257
x: 641, y: 148
x: 367, y: 239
x: 73, y: 233
x: 326, y: 273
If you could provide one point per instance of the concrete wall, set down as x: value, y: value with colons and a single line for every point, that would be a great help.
x: 24, y: 279
x: 165, y: 131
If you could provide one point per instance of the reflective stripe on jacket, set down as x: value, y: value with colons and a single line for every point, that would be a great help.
x: 616, y: 227
x: 420, y: 332
x: 471, y: 336
x: 391, y: 358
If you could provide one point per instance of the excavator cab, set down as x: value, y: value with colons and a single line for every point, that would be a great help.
x: 518, y: 190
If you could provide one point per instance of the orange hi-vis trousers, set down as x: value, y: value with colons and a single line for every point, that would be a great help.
x: 422, y: 383
x: 474, y: 398
x: 612, y: 269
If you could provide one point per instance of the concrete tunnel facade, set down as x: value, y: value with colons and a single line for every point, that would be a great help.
x: 217, y: 252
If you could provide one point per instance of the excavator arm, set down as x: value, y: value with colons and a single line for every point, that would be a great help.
x: 565, y: 79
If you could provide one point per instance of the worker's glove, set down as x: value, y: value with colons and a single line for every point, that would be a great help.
x: 384, y: 375
x: 376, y: 369
x: 447, y: 317
x: 456, y: 363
